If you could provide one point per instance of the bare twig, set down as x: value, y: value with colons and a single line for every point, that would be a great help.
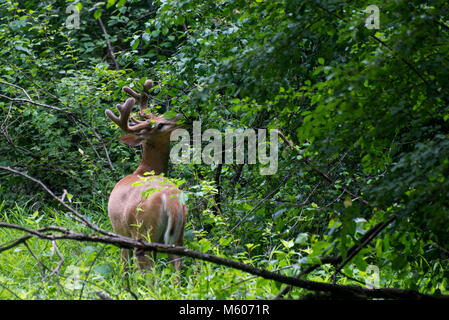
x: 444, y: 26
x: 18, y: 87
x: 61, y: 260
x: 77, y: 216
x: 318, y: 171
x: 35, y: 103
x: 70, y: 114
x: 14, y: 243
x: 268, y: 196
x: 88, y: 271
x: 370, y: 235
x: 350, y: 291
x: 39, y: 263
x: 53, y: 233
x: 108, y: 43
x: 10, y: 291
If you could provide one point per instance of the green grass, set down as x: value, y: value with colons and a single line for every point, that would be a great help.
x: 31, y: 271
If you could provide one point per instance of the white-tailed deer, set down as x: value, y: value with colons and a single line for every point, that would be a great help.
x: 161, y: 216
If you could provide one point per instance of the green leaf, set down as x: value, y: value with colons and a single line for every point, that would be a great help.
x: 288, y: 244
x: 170, y: 114
x: 302, y: 238
x: 205, y: 245
x: 135, y: 43
x: 97, y: 14
x: 104, y: 270
x: 224, y: 241
x: 110, y: 3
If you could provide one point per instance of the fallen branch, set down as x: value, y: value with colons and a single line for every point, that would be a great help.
x: 344, y: 291
x: 54, y: 233
x: 364, y: 241
x: 355, y: 249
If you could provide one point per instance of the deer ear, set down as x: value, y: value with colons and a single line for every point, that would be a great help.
x: 131, y: 140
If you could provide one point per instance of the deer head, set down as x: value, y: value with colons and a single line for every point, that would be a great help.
x: 154, y: 129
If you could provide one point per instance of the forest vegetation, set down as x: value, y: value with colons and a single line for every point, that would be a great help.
x: 357, y: 208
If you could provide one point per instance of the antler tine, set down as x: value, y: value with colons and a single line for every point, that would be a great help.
x: 122, y: 120
x: 142, y: 99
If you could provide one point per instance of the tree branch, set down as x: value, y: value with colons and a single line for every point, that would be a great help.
x: 108, y: 43
x: 352, y: 252
x: 394, y: 53
x: 364, y: 241
x: 347, y: 291
x: 54, y: 233
x: 318, y: 171
x: 77, y: 216
x: 268, y: 196
x: 74, y: 117
x: 18, y: 87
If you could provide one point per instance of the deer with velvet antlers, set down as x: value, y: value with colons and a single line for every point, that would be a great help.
x: 160, y: 217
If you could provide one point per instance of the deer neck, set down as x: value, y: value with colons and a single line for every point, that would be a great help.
x: 154, y: 158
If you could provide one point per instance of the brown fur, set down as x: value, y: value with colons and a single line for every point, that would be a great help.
x: 161, y: 217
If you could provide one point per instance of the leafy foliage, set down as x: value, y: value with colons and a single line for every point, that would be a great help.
x: 368, y: 108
